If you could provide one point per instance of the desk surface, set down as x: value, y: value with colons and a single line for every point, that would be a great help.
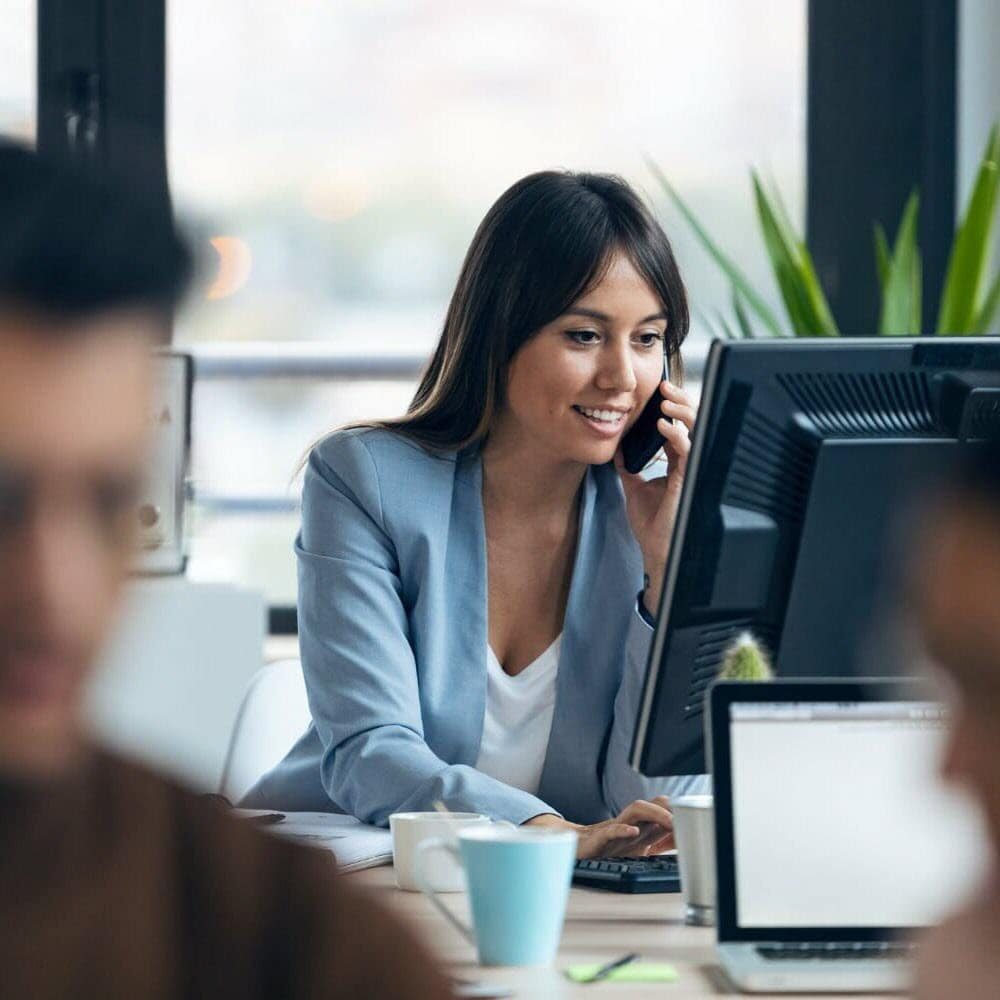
x: 600, y: 926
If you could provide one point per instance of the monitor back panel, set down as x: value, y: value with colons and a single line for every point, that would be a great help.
x: 806, y: 460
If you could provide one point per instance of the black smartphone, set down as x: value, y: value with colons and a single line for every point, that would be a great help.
x: 643, y: 440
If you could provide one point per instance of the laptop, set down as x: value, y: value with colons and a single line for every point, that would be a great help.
x: 835, y: 842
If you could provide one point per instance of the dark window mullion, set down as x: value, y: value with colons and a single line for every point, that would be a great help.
x: 69, y: 65
x: 881, y: 121
x: 101, y: 75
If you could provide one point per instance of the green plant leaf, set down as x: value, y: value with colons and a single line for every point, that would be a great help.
x: 753, y: 299
x: 781, y: 216
x: 900, y: 312
x: 882, y: 256
x: 727, y: 330
x: 800, y: 290
x: 716, y: 325
x: 961, y: 299
x: 823, y: 317
x: 991, y: 303
x: 742, y: 320
x: 782, y: 256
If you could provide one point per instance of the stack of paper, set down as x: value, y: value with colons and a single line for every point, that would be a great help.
x: 354, y: 844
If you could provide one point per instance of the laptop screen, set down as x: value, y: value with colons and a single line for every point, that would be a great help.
x: 838, y: 818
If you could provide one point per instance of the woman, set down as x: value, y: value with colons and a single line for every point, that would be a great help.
x: 468, y: 574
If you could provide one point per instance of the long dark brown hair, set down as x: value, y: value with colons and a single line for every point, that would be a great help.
x: 546, y: 241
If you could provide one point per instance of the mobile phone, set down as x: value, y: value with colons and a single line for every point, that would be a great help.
x: 643, y: 440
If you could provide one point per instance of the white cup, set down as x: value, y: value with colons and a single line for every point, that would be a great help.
x: 694, y: 832
x: 439, y: 868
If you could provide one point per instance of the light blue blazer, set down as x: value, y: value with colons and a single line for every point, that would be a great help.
x: 393, y: 635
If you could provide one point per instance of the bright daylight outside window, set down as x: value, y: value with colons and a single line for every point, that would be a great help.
x: 333, y: 160
x: 17, y: 70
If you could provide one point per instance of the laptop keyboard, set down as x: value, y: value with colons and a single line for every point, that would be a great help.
x: 653, y: 874
x: 836, y: 950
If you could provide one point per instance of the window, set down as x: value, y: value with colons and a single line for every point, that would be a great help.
x: 17, y: 69
x: 333, y: 161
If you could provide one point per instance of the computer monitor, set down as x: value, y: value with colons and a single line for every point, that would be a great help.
x: 805, y: 457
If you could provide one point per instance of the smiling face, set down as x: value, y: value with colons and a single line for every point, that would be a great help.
x: 577, y: 385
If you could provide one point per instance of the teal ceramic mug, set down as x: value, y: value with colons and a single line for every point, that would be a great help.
x: 518, y: 883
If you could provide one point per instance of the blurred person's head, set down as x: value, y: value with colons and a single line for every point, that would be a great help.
x: 958, y: 609
x: 568, y: 300
x: 88, y: 282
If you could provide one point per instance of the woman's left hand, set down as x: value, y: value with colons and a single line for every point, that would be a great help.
x: 652, y: 504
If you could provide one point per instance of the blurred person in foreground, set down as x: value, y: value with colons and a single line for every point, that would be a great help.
x: 113, y: 881
x: 958, y: 606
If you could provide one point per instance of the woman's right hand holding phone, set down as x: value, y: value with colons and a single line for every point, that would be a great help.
x: 652, y: 504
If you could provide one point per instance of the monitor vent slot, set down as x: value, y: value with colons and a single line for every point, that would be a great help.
x: 863, y: 404
x: 771, y: 470
x: 712, y: 644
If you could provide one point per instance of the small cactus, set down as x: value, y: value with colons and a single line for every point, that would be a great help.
x: 745, y: 661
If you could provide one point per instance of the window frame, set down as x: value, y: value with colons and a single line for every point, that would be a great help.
x: 107, y: 59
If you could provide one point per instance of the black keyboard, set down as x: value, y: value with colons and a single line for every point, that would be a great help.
x: 659, y: 874
x: 836, y: 949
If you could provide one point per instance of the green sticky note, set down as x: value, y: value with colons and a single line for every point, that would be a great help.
x: 634, y: 972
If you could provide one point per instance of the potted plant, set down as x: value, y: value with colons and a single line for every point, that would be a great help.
x: 970, y: 297
x: 745, y: 660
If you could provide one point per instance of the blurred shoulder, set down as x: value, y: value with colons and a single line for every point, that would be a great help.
x: 278, y: 910
x: 959, y: 957
x: 198, y: 829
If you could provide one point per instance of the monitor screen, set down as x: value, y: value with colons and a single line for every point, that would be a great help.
x: 839, y: 819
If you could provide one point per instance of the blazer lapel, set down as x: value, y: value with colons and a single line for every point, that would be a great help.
x: 466, y: 615
x: 570, y: 686
x: 606, y: 577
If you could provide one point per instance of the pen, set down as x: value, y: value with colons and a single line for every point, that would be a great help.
x: 605, y: 970
x: 267, y: 819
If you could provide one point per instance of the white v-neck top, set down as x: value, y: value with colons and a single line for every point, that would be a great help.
x: 518, y: 719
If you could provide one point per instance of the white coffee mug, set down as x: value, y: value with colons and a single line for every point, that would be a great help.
x: 440, y: 868
x: 694, y: 831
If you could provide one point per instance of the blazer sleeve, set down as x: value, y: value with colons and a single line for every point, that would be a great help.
x: 359, y: 666
x: 620, y: 782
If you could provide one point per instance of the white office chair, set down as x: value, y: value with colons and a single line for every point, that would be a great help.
x: 274, y: 713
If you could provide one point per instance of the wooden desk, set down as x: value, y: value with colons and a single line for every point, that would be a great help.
x: 600, y: 926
